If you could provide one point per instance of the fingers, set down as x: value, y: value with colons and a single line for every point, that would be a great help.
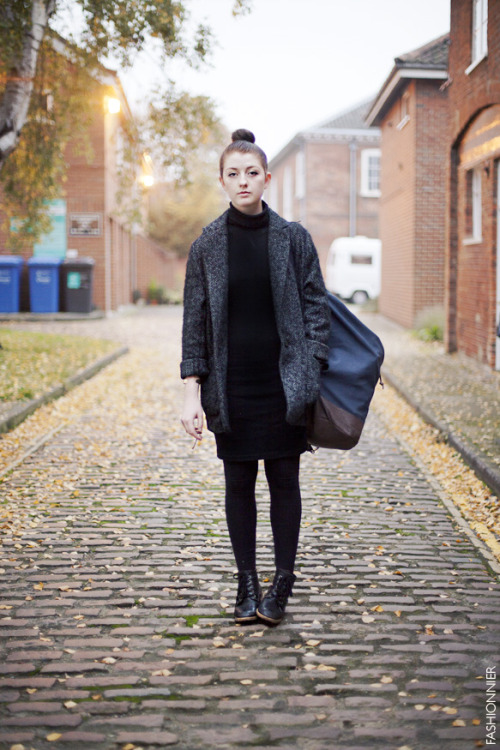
x: 193, y: 424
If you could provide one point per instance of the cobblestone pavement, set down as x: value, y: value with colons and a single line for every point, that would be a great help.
x: 116, y: 598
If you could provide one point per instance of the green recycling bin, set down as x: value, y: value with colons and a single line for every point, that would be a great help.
x: 76, y: 284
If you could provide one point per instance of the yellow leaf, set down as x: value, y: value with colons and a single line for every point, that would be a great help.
x: 458, y: 723
x: 53, y: 736
x: 419, y: 707
x: 397, y: 612
x: 38, y: 586
x: 476, y: 722
x: 449, y: 710
x: 386, y: 679
x: 377, y: 608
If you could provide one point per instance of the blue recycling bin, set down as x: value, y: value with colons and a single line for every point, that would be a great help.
x: 10, y: 282
x: 44, y: 284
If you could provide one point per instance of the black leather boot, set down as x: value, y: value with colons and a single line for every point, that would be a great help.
x: 272, y: 607
x: 248, y: 596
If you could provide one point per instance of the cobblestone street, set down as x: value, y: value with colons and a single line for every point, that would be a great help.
x: 117, y: 589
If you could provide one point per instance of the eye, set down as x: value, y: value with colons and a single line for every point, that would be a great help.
x: 254, y: 172
x: 231, y: 174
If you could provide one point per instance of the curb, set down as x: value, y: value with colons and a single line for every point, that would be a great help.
x: 488, y: 473
x: 22, y: 317
x: 21, y: 411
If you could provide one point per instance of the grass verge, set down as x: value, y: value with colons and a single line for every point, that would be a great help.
x: 33, y: 363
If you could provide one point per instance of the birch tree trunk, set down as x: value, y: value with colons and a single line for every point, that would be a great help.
x: 17, y: 94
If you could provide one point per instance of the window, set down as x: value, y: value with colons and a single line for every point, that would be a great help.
x: 473, y: 206
x: 370, y: 173
x: 287, y: 194
x: 362, y: 260
x: 405, y: 111
x: 479, y: 33
x: 300, y: 175
x: 273, y: 195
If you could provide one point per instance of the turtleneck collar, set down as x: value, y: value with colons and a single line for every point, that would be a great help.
x: 249, y: 221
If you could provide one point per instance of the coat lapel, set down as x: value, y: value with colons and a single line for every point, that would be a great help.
x: 279, y: 251
x: 216, y: 269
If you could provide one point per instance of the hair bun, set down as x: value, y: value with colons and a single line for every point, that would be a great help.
x: 243, y: 135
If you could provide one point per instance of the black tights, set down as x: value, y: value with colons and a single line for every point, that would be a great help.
x: 241, y: 509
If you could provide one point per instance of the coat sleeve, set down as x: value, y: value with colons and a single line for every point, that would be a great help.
x: 194, y: 344
x: 315, y: 304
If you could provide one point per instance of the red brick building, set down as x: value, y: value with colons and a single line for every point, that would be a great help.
x: 411, y: 109
x: 125, y: 259
x: 327, y: 177
x: 473, y: 229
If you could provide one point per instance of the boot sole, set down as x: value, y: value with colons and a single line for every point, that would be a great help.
x: 268, y: 619
x: 253, y: 618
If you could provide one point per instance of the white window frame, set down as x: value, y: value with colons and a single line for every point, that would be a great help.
x: 300, y: 175
x: 405, y: 111
x: 476, y: 208
x: 366, y: 155
x: 287, y: 193
x: 479, y: 38
x: 273, y: 196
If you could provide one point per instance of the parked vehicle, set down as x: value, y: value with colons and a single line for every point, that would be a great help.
x: 353, y: 268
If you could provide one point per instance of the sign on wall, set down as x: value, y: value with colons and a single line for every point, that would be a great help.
x: 85, y: 225
x: 54, y: 244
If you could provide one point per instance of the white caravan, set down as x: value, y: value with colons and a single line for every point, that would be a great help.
x: 353, y: 268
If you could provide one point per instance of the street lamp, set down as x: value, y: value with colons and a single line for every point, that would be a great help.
x: 113, y: 105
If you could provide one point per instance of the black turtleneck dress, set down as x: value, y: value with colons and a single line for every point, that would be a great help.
x: 256, y: 399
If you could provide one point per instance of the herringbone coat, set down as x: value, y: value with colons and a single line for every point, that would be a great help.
x: 301, y: 312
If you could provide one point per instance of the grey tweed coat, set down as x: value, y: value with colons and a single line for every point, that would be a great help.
x: 301, y: 311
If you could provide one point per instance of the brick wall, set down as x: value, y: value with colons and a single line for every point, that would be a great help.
x: 123, y: 262
x: 471, y: 267
x: 432, y: 115
x: 325, y: 209
x: 397, y: 214
x: 412, y: 206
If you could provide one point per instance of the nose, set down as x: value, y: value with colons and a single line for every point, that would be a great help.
x: 243, y: 179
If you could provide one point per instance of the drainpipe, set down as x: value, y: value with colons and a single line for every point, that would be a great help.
x: 352, y: 188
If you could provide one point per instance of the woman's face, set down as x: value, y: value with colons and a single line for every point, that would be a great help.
x: 244, y: 180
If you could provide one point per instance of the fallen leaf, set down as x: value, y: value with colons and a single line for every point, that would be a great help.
x: 53, y: 736
x: 458, y: 723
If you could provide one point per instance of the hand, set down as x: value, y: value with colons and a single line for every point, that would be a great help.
x: 192, y: 413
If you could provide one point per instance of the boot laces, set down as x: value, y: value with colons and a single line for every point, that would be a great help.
x: 248, y: 587
x: 282, y: 590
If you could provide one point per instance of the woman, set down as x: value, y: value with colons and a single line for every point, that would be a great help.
x: 254, y: 338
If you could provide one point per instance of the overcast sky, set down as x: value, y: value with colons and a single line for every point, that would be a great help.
x: 291, y: 64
